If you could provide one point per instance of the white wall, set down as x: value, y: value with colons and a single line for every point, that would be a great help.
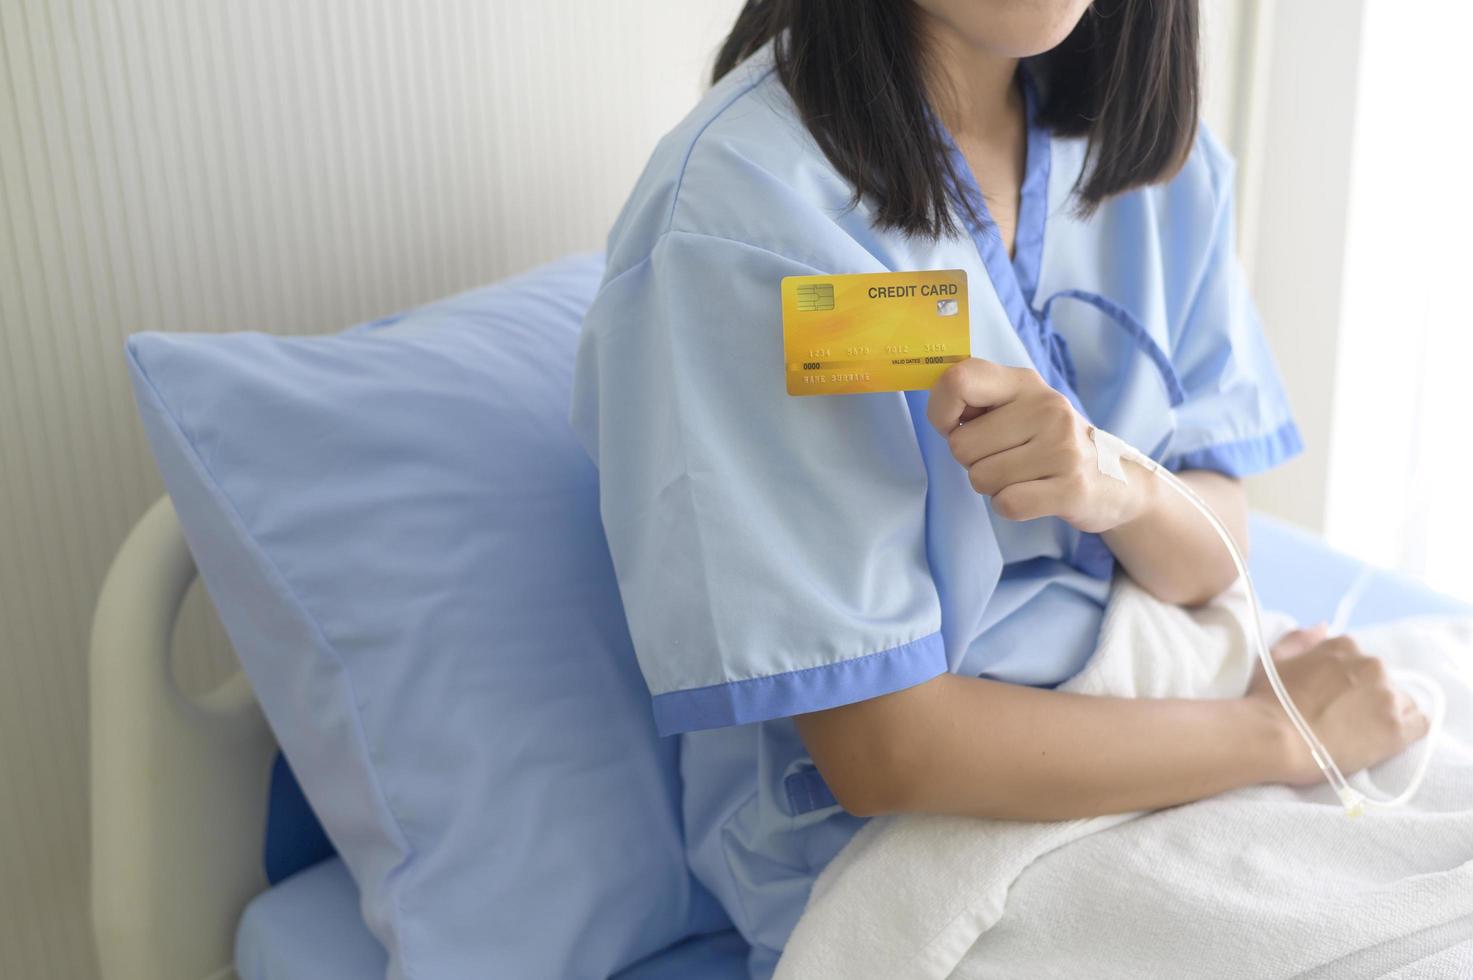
x: 275, y: 165
x: 1224, y: 25
x: 1297, y: 188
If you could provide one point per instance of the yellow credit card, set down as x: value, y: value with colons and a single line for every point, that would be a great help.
x: 880, y: 331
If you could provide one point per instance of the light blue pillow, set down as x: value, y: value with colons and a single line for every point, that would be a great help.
x: 401, y: 536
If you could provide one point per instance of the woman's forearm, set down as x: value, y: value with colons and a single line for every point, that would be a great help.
x: 964, y: 745
x: 1168, y: 548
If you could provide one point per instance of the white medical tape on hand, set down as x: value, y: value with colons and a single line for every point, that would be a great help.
x: 1110, y: 451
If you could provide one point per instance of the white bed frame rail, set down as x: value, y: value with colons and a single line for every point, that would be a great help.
x: 179, y: 783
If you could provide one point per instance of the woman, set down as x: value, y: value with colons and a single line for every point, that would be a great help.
x: 858, y: 604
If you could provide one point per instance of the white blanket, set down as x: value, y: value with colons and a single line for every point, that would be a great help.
x: 1262, y: 882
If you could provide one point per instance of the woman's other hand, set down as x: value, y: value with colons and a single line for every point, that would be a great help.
x: 1024, y: 446
x: 1348, y: 699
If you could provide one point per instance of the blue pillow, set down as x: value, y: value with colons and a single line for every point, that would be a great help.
x: 401, y: 536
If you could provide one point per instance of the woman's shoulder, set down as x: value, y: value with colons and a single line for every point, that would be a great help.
x: 1163, y: 233
x: 740, y: 166
x: 1203, y: 184
x: 1205, y: 180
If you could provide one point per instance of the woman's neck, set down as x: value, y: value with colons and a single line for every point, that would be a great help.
x: 974, y: 90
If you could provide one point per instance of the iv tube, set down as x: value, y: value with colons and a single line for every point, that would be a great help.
x: 1110, y: 449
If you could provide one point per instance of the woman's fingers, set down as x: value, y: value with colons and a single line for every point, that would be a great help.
x: 1415, y: 723
x: 1295, y: 642
x: 972, y: 384
x: 1020, y: 464
x: 1028, y: 450
x: 998, y: 431
x: 1031, y: 500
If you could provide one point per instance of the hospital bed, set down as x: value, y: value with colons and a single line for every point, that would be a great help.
x: 207, y: 859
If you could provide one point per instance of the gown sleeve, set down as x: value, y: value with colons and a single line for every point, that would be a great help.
x: 1236, y: 417
x: 770, y: 549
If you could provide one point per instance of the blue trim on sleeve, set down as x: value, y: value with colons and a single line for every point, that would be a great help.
x: 1246, y: 457
x: 798, y: 691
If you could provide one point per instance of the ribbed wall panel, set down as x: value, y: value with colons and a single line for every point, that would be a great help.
x: 283, y: 166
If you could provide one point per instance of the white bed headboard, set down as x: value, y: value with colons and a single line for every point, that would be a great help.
x: 179, y: 784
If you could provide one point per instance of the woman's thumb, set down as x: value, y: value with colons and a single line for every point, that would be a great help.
x: 1298, y: 641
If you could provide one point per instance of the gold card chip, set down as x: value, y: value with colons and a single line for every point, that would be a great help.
x: 815, y: 296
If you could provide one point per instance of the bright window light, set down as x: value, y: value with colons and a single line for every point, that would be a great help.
x: 1401, y: 462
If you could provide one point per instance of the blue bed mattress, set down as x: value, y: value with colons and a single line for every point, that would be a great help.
x: 308, y: 927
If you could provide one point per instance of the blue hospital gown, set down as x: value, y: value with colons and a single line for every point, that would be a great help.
x: 778, y: 555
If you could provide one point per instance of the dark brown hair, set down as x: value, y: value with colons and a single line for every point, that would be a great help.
x: 1126, y: 79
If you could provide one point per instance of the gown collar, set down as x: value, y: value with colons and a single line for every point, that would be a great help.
x: 1015, y: 281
